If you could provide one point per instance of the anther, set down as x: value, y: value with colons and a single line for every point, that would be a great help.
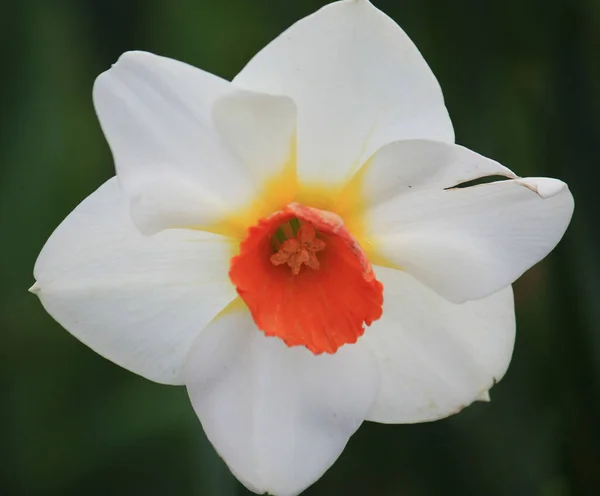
x: 300, y: 250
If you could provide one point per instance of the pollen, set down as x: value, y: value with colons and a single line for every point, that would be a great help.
x: 300, y: 250
x: 306, y: 280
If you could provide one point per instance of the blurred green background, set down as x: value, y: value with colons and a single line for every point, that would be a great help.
x: 522, y: 83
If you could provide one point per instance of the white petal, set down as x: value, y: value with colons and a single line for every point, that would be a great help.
x: 156, y: 115
x: 358, y: 82
x: 137, y: 300
x: 410, y: 167
x: 278, y: 416
x: 260, y: 128
x: 436, y: 357
x: 465, y: 243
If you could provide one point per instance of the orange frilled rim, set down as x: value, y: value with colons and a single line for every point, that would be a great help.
x: 314, y: 288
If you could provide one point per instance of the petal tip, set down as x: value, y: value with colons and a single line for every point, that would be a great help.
x: 133, y: 54
x: 35, y: 289
x: 544, y: 187
x: 484, y: 396
x: 127, y: 57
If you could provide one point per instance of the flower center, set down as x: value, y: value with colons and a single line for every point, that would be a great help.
x: 297, y: 245
x: 306, y: 280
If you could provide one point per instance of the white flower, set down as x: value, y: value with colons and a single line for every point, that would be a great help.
x: 281, y: 204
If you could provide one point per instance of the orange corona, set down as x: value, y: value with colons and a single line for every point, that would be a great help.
x: 306, y: 279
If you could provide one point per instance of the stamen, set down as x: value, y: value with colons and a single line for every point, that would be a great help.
x: 298, y: 250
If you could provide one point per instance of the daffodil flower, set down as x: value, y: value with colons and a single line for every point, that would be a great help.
x: 292, y: 246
